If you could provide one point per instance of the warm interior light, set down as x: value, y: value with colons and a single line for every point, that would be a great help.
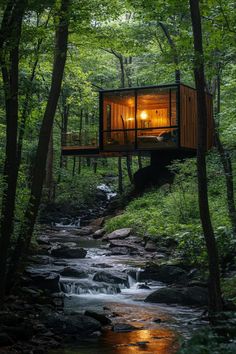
x: 130, y: 118
x: 143, y: 115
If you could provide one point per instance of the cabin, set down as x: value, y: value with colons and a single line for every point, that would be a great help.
x: 144, y: 119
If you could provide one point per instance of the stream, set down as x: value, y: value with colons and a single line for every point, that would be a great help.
x: 157, y: 327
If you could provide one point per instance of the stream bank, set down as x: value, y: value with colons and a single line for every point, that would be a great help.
x: 85, y: 291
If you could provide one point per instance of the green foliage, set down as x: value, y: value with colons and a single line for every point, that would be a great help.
x: 79, y: 190
x: 174, y: 212
x: 208, y: 342
x: 229, y: 288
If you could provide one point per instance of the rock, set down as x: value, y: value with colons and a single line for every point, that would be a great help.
x: 143, y: 286
x: 165, y: 273
x: 123, y: 327
x: 74, y: 324
x: 67, y: 252
x: 98, y: 234
x: 101, y: 265
x: 100, y: 317
x: 118, y: 234
x: 84, y: 231
x: 150, y: 247
x: 73, y: 272
x: 111, y: 277
x: 157, y: 320
x: 5, y: 340
x: 44, y: 280
x: 184, y: 296
x: 117, y: 251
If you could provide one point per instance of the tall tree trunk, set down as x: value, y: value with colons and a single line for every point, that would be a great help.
x: 215, y: 301
x: 49, y: 170
x: 11, y: 84
x: 31, y: 212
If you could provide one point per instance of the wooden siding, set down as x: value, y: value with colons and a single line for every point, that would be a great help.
x: 188, y: 118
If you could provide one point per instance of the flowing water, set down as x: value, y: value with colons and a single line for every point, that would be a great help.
x: 158, y: 327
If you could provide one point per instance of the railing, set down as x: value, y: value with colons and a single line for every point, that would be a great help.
x: 83, y: 138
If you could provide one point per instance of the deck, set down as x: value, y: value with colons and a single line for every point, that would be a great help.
x: 89, y: 151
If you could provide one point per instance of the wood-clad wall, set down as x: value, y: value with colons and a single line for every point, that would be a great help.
x: 188, y: 118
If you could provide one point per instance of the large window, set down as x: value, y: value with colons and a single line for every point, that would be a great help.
x: 119, y: 120
x: 144, y: 119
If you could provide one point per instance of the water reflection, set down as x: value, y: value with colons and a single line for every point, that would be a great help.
x: 162, y: 341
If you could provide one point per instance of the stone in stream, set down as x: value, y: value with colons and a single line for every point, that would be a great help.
x: 118, y: 234
x: 73, y: 272
x: 129, y: 246
x: 195, y: 295
x: 44, y: 280
x: 73, y: 324
x: 111, y: 277
x: 84, y: 231
x: 164, y: 273
x: 98, y: 234
x: 64, y: 251
x: 123, y: 327
x: 103, y: 319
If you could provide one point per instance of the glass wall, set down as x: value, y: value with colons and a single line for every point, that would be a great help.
x: 143, y: 119
x: 119, y: 120
x: 156, y: 118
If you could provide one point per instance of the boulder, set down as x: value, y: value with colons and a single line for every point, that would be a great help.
x: 67, y: 252
x: 130, y: 246
x: 72, y: 272
x: 119, y: 251
x: 98, y: 234
x: 84, y: 231
x: 100, y: 317
x: 44, y: 280
x: 73, y: 324
x: 150, y: 247
x: 195, y: 295
x: 111, y: 277
x: 165, y: 273
x: 118, y: 234
x: 123, y: 327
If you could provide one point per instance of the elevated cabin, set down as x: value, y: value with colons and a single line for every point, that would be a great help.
x: 146, y: 119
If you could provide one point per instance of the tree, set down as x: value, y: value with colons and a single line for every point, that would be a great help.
x: 215, y: 301
x: 10, y: 74
x: 38, y: 176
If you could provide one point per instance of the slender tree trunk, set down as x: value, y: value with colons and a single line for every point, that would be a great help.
x: 120, y: 175
x: 31, y: 212
x: 73, y: 166
x: 49, y: 170
x: 140, y: 161
x: 174, y: 50
x: 129, y: 168
x: 215, y: 301
x: 11, y: 84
